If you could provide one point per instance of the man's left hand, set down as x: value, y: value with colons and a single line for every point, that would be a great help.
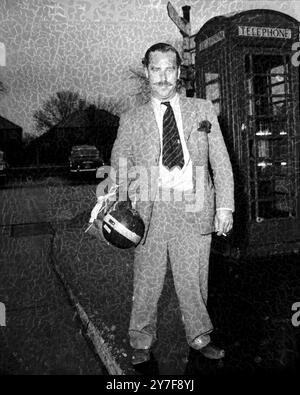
x: 223, y: 221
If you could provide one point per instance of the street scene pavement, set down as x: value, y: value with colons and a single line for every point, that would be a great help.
x: 68, y: 297
x: 42, y: 332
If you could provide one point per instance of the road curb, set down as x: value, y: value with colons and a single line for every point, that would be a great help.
x: 101, y: 347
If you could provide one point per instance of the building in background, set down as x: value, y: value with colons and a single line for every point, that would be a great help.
x: 91, y: 126
x: 10, y: 141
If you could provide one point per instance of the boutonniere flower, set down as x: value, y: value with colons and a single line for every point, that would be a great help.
x: 204, y: 126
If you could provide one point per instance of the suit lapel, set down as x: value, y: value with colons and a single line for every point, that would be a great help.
x: 186, y: 114
x: 152, y: 139
x: 151, y: 120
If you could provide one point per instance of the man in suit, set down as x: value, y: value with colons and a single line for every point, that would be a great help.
x: 169, y: 141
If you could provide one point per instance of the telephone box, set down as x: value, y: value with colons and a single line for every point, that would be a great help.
x: 245, y: 66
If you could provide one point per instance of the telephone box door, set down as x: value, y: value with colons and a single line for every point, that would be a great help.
x: 265, y: 86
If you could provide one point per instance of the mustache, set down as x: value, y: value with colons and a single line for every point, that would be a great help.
x: 163, y: 83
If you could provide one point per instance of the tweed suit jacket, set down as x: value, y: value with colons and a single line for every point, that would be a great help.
x: 136, y: 152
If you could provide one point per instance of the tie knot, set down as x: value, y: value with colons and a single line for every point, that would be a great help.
x: 166, y: 103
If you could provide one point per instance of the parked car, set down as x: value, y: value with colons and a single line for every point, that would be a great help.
x: 84, y: 158
x: 3, y: 166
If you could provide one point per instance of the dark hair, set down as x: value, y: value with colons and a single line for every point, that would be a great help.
x: 161, y: 47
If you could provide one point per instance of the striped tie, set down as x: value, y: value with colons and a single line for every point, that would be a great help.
x: 172, y: 149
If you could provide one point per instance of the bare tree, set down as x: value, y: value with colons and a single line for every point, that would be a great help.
x: 58, y: 108
x: 111, y: 105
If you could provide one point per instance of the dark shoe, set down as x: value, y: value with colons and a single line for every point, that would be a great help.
x: 147, y: 368
x: 140, y: 356
x: 212, y: 352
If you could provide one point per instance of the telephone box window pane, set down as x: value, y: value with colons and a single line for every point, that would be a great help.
x: 265, y: 209
x: 212, y: 91
x: 260, y: 85
x: 251, y: 105
x: 279, y: 106
x: 278, y: 208
x: 217, y: 107
x: 281, y: 185
x: 277, y: 79
x: 282, y: 205
x: 278, y: 89
x: 211, y: 76
x: 211, y: 87
x: 273, y: 149
x: 263, y: 148
x: 266, y: 64
x: 249, y: 86
x: 265, y: 190
x: 194, y: 57
x: 280, y: 149
x: 278, y: 69
x: 269, y: 79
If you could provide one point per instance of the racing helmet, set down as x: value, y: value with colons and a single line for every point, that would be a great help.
x: 123, y: 227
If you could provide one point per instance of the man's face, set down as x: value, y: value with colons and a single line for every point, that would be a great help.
x: 162, y: 73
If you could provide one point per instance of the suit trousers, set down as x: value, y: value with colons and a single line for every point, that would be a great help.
x: 172, y: 231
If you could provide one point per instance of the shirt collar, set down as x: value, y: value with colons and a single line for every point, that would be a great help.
x: 174, y: 101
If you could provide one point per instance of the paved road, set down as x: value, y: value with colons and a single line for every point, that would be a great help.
x: 42, y: 334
